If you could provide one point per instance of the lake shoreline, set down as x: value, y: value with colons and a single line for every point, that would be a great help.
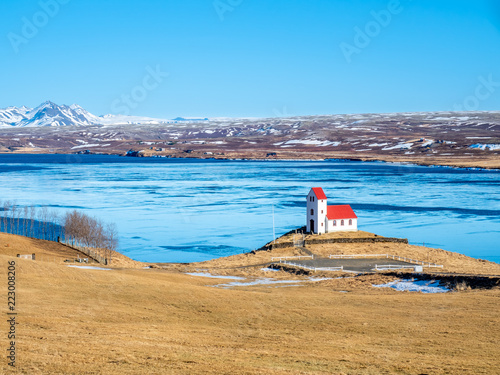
x: 218, y: 208
x: 466, y: 163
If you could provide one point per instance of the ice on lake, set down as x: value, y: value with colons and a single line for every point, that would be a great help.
x: 185, y: 210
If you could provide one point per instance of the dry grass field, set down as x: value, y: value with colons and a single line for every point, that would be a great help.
x: 162, y: 321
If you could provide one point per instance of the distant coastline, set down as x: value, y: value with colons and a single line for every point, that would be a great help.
x: 455, y: 139
x: 471, y: 164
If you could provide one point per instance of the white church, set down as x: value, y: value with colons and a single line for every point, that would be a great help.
x: 322, y: 218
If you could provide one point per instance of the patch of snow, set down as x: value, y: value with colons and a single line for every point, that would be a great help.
x: 313, y: 142
x: 401, y: 146
x: 206, y: 274
x: 378, y: 144
x: 84, y: 146
x: 482, y: 146
x: 90, y: 268
x: 264, y: 281
x: 424, y: 286
x: 269, y: 270
x: 320, y: 278
x: 427, y: 143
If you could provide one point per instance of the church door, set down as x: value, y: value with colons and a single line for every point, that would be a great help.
x: 311, y: 225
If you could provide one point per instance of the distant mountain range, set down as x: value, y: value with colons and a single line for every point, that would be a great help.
x: 51, y: 114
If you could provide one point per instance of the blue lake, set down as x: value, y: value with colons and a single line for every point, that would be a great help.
x: 183, y: 210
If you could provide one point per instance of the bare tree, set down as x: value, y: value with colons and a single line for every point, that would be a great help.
x: 42, y: 222
x: 5, y: 218
x: 111, y: 241
x: 25, y: 220
x: 1, y: 216
x: 53, y: 224
x: 32, y: 221
x: 2, y: 208
x: 12, y: 218
x: 83, y: 230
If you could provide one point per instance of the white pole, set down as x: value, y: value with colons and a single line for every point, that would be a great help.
x: 274, y: 231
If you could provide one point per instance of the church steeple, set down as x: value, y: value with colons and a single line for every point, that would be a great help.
x: 316, y: 211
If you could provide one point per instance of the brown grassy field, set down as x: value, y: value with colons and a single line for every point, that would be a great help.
x: 161, y: 321
x: 48, y: 251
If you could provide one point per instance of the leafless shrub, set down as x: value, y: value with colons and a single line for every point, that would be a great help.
x: 461, y: 285
x: 77, y: 228
x: 83, y: 230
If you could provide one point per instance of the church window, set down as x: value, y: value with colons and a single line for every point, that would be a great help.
x: 341, y: 222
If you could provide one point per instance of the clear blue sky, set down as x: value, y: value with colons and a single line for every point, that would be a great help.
x: 251, y: 58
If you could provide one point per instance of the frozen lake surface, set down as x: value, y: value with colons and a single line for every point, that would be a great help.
x: 183, y: 210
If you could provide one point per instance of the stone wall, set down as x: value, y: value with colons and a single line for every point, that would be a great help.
x: 318, y: 241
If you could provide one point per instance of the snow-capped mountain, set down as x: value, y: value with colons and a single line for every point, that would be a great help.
x: 12, y: 115
x: 51, y: 114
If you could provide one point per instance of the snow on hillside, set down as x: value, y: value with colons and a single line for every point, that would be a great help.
x: 51, y: 114
x: 124, y: 120
x: 12, y: 115
x: 481, y: 146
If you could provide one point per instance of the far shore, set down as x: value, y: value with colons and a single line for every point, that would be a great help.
x: 489, y: 163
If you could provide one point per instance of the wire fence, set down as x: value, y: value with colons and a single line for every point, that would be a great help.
x: 387, y: 256
x: 280, y: 259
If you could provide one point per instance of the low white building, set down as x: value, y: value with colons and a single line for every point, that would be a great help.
x: 322, y: 218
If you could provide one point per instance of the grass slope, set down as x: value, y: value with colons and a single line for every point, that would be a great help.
x: 161, y: 321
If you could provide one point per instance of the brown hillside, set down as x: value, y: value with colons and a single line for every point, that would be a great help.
x: 75, y: 321
x: 48, y: 251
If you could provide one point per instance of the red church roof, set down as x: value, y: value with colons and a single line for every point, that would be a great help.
x: 340, y: 212
x: 320, y: 194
